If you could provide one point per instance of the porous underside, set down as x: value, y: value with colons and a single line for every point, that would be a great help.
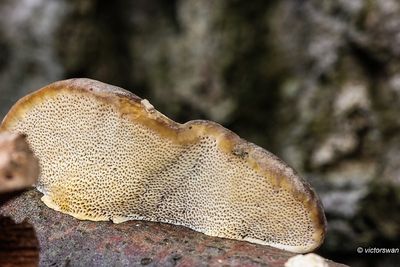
x: 107, y: 155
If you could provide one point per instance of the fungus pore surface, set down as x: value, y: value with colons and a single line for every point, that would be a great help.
x: 106, y: 154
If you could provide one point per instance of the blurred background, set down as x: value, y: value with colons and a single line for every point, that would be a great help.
x: 317, y: 82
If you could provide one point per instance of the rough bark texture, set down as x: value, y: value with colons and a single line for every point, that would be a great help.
x: 18, y: 244
x: 316, y: 82
x: 66, y: 241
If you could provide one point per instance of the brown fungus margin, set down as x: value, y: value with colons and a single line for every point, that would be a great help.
x: 130, y: 106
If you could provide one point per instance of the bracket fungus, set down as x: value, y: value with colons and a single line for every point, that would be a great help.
x: 106, y: 154
x: 19, y: 168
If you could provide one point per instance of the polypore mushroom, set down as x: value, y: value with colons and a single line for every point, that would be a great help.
x: 19, y: 168
x: 106, y: 154
x: 309, y: 260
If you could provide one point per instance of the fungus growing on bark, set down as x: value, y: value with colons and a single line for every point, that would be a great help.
x: 19, y: 168
x: 106, y: 154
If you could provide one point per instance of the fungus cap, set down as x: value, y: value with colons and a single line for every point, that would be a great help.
x: 19, y: 168
x: 106, y: 154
